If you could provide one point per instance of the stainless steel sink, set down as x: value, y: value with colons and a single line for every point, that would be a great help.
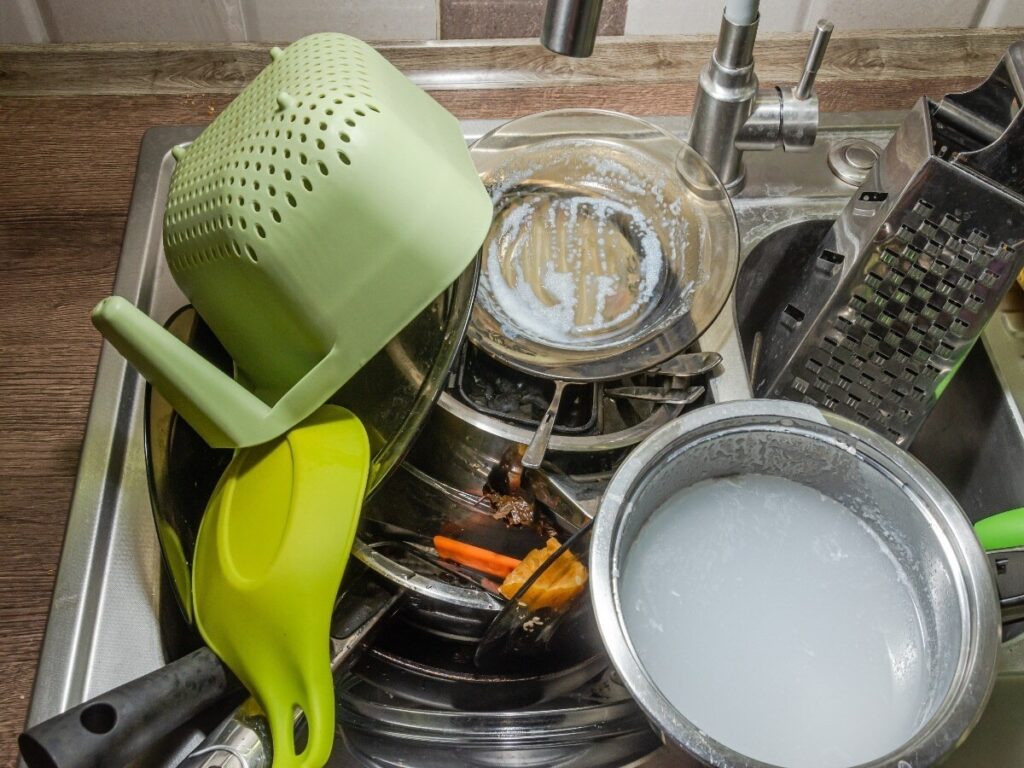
x: 109, y: 621
x: 972, y: 440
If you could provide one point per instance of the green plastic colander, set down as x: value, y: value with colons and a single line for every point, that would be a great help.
x: 308, y: 224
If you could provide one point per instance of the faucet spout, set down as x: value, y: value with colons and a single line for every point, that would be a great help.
x: 570, y: 27
x: 732, y: 115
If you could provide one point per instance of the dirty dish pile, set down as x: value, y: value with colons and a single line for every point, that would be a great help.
x: 597, y: 725
x: 330, y: 182
x: 613, y: 247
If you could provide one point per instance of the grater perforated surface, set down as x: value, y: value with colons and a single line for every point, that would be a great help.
x: 921, y: 300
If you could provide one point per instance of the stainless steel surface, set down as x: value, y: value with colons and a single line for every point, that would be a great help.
x: 726, y: 92
x: 731, y: 115
x: 799, y: 119
x: 109, y: 616
x: 658, y: 395
x: 241, y: 741
x: 598, y: 727
x: 570, y: 26
x: 815, y: 55
x: 688, y: 364
x: 763, y: 127
x: 1008, y: 565
x: 905, y: 280
x: 891, y: 492
x: 852, y: 160
x: 533, y: 457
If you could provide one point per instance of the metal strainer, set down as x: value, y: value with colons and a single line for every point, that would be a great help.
x: 308, y: 224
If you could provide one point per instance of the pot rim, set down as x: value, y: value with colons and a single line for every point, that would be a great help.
x: 974, y: 677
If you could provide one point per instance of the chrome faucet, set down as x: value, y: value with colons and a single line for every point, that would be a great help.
x: 570, y: 26
x: 731, y: 115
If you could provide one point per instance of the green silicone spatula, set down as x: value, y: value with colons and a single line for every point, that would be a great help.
x: 269, y: 558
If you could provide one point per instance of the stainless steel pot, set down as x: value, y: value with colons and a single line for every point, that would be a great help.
x: 891, y: 492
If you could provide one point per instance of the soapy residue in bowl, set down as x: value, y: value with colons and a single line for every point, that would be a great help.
x: 580, y: 248
x: 776, y: 621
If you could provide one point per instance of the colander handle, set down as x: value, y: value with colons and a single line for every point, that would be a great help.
x: 222, y: 411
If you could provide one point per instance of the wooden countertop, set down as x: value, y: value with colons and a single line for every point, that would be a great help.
x: 72, y: 117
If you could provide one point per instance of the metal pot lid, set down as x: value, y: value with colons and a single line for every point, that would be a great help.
x: 613, y: 245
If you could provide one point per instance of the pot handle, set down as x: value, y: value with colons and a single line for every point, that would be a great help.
x: 114, y: 728
x: 1002, y: 536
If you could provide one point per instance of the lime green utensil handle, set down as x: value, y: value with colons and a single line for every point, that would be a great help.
x: 317, y: 704
x: 210, y: 400
x: 1002, y: 531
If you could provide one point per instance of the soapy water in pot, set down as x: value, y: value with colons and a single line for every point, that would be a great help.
x: 777, y: 622
x: 579, y: 248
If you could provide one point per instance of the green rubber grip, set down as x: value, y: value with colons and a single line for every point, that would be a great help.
x: 1002, y: 531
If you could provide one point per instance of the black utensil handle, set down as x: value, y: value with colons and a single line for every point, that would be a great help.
x: 116, y: 727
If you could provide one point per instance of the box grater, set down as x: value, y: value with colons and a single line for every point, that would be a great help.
x: 918, y: 261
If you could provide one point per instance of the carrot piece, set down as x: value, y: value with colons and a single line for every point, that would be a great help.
x: 477, y: 558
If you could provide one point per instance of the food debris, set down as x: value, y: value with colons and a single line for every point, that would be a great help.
x: 477, y: 558
x: 534, y: 622
x: 556, y: 587
x: 514, y: 510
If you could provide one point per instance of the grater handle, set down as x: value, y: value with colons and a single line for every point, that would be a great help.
x: 815, y: 55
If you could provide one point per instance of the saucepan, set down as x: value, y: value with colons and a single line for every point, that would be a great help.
x: 778, y: 585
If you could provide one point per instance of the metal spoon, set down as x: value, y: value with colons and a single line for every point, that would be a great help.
x: 657, y: 395
x: 538, y: 446
x: 687, y: 364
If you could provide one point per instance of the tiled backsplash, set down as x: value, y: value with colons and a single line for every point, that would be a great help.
x: 26, y: 21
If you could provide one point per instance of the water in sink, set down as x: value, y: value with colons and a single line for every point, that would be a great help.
x: 777, y: 622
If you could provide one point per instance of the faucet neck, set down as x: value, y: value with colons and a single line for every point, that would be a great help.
x: 725, y: 96
x: 735, y: 48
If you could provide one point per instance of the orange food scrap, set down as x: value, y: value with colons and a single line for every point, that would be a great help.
x: 477, y: 558
x: 562, y: 582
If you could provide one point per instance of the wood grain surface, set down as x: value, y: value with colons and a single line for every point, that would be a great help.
x: 72, y: 118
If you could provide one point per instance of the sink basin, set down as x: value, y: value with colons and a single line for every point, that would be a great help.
x: 109, y: 624
x: 972, y: 441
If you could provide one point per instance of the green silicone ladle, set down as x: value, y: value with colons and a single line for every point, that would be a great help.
x: 269, y: 558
